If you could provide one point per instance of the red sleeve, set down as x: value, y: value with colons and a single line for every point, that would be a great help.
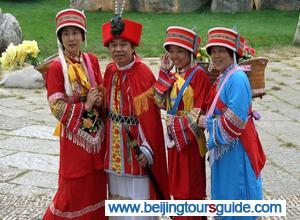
x: 68, y: 113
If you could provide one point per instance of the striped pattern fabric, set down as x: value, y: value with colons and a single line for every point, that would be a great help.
x: 182, y: 37
x: 70, y: 17
x: 227, y: 38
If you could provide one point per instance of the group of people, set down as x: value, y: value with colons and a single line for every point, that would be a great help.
x: 110, y: 129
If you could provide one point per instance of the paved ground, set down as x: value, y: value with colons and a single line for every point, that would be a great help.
x: 29, y: 153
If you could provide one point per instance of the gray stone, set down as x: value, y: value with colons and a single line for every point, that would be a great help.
x: 231, y: 6
x: 27, y: 78
x: 9, y: 122
x: 275, y: 181
x: 4, y: 153
x: 296, y: 40
x: 36, y: 131
x: 30, y: 161
x: 30, y: 145
x: 8, y: 173
x: 39, y: 179
x: 4, y: 93
x: 7, y: 113
x: 10, y: 31
x: 5, y: 188
x: 88, y: 5
x: 176, y: 6
x: 285, y: 5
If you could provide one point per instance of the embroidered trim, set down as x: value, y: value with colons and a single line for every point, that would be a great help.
x: 224, y: 133
x: 58, y: 109
x: 164, y: 82
x: 78, y: 121
x: 78, y: 213
x: 234, y: 119
x: 118, y: 197
x: 181, y: 123
x: 123, y: 119
x: 55, y: 96
x: 86, y: 141
x: 71, y: 113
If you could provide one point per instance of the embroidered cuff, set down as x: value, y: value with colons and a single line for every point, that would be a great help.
x: 210, y: 125
x: 74, y: 113
x: 164, y: 82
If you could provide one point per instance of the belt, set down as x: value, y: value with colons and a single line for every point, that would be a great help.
x: 127, y: 120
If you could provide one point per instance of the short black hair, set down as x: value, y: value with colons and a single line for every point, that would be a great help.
x: 231, y: 52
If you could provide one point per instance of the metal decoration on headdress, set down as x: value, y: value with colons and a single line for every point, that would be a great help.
x: 237, y: 45
x: 117, y: 24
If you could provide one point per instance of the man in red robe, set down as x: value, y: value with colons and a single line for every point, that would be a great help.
x: 130, y: 105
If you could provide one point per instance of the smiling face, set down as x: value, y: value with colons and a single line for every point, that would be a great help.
x: 121, y: 51
x: 179, y: 56
x: 71, y: 38
x: 221, y: 58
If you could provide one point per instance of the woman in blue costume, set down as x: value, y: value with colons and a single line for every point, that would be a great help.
x: 235, y: 151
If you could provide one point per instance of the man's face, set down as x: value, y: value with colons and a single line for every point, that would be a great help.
x: 121, y: 51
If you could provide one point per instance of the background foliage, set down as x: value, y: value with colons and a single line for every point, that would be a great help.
x: 262, y: 29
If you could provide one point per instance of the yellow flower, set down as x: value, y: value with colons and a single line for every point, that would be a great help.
x: 4, y: 62
x: 31, y: 47
x: 15, y: 56
x: 21, y: 54
x: 9, y: 58
x: 87, y: 123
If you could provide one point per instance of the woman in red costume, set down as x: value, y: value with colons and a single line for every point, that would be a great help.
x: 72, y: 83
x: 182, y: 94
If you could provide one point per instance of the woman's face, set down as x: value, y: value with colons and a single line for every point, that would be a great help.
x: 71, y: 38
x: 179, y: 56
x: 221, y: 58
x: 121, y: 51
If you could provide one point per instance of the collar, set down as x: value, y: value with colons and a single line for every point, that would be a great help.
x: 128, y: 66
x: 74, y: 59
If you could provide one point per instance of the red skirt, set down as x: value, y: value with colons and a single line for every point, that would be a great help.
x: 80, y: 198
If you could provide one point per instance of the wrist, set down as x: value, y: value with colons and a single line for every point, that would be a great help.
x: 87, y: 107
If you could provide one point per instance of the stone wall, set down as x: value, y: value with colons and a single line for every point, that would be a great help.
x: 231, y: 6
x: 178, y: 6
x: 175, y: 6
x: 284, y: 5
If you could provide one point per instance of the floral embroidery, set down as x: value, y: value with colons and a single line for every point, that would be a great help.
x: 116, y: 165
x: 91, y: 122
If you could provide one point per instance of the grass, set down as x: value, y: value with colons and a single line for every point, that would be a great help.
x: 260, y: 28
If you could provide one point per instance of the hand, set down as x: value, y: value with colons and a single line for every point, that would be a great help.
x: 201, y: 121
x: 166, y: 62
x: 100, y: 98
x: 92, y: 97
x: 142, y: 160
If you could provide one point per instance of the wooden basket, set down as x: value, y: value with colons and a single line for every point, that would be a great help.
x: 255, y: 69
x: 213, y: 75
x: 44, y: 66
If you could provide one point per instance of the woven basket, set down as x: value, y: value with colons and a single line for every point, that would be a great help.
x: 255, y: 69
x: 44, y: 66
x: 213, y: 75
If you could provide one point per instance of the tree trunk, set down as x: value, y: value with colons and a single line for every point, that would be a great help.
x: 297, y: 34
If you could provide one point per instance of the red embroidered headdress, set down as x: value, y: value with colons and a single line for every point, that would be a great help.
x: 127, y: 29
x: 182, y: 37
x: 225, y: 37
x: 70, y: 17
